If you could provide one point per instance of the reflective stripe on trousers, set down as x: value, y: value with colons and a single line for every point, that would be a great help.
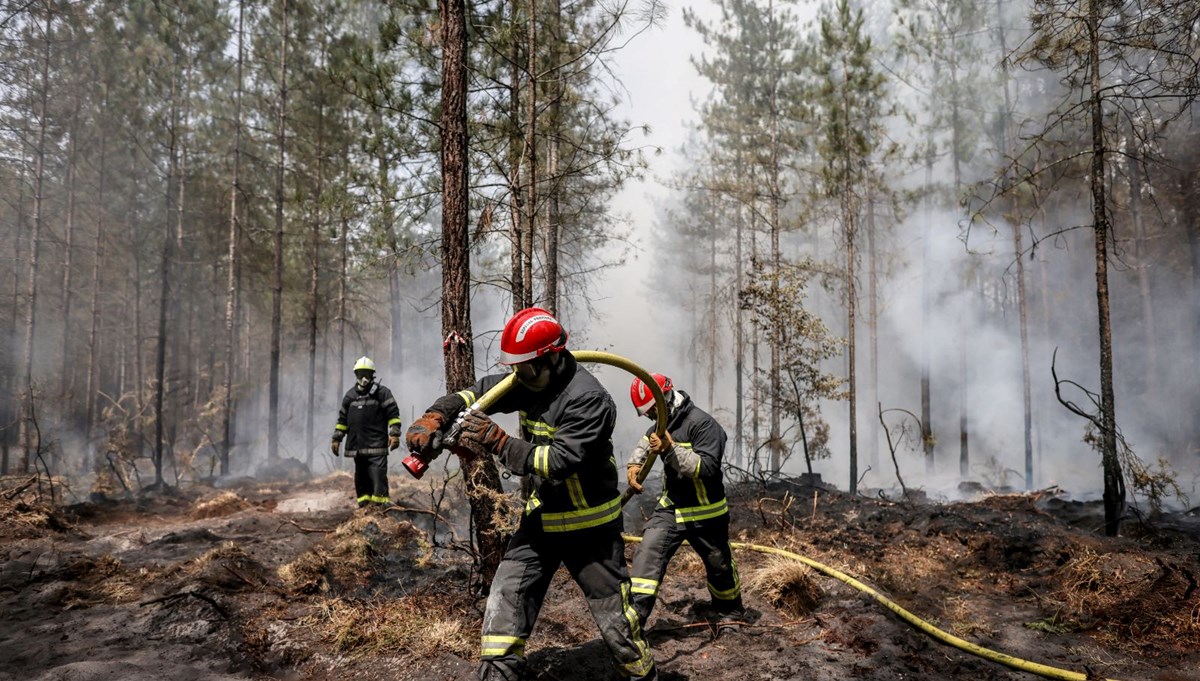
x: 595, y: 558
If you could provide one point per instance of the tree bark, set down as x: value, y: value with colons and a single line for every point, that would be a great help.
x: 314, y: 285
x: 531, y: 167
x: 1114, y: 485
x: 851, y: 288
x: 89, y: 396
x: 65, y: 378
x: 26, y: 435
x: 481, y: 475
x: 773, y: 382
x: 872, y: 323
x: 231, y: 283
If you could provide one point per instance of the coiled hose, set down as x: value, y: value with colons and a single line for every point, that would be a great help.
x: 660, y: 407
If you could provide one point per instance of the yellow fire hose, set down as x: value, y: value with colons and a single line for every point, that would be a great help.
x: 660, y: 405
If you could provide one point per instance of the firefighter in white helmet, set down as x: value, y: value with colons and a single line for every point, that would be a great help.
x: 692, y: 505
x: 369, y: 422
x: 573, y: 512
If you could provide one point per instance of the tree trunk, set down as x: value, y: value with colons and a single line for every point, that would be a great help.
x: 24, y: 433
x: 277, y: 273
x: 739, y: 409
x: 515, y: 152
x: 774, y: 389
x: 872, y: 324
x: 927, y: 305
x: 66, y: 375
x: 1019, y: 253
x: 1114, y: 485
x: 314, y: 287
x: 481, y: 475
x: 531, y: 168
x: 1136, y: 170
x: 231, y: 283
x: 139, y: 377
x: 557, y: 90
x: 851, y: 289
x: 89, y: 397
x: 164, y: 291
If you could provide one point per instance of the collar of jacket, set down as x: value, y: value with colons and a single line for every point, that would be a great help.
x: 678, y: 409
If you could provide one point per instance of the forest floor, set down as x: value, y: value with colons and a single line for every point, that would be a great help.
x: 287, y: 580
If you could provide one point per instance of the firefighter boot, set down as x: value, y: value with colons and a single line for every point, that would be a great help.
x: 493, y: 670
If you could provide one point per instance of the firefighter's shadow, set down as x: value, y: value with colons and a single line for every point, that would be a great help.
x: 592, y: 662
x: 588, y: 662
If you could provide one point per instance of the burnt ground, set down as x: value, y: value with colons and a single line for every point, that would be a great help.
x: 288, y: 581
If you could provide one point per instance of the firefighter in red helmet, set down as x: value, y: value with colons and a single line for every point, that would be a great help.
x: 692, y: 505
x: 573, y: 512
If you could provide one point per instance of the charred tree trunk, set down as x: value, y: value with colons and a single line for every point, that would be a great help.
x: 481, y: 475
x: 1114, y: 485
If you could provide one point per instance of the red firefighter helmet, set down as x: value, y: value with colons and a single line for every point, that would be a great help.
x: 643, y: 399
x: 531, y: 333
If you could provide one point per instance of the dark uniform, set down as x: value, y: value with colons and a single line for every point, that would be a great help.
x: 692, y: 507
x: 572, y: 517
x: 366, y: 420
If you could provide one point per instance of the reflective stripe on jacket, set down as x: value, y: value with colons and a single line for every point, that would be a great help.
x: 572, y: 470
x: 367, y: 419
x: 692, y: 482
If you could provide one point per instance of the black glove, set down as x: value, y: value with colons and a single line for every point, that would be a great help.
x: 333, y: 446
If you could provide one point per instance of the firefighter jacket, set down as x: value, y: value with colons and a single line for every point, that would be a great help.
x: 569, y: 425
x: 692, y: 481
x: 366, y: 419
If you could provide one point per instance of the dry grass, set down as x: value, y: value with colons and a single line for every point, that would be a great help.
x: 787, y: 585
x: 25, y: 520
x: 97, y: 580
x: 1131, y: 601
x: 226, y: 503
x: 346, y: 555
x: 422, y: 627
x: 964, y: 620
x: 686, y: 562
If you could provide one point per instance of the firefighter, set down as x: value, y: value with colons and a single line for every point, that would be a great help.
x: 369, y: 421
x: 572, y: 512
x: 692, y: 505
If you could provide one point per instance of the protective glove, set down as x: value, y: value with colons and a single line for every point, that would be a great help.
x: 661, y: 445
x: 334, y: 445
x: 421, y: 431
x: 481, y: 435
x: 632, y: 471
x: 393, y: 441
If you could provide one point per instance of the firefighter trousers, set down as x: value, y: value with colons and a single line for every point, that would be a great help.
x: 370, y: 479
x: 662, y: 537
x: 595, y: 559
